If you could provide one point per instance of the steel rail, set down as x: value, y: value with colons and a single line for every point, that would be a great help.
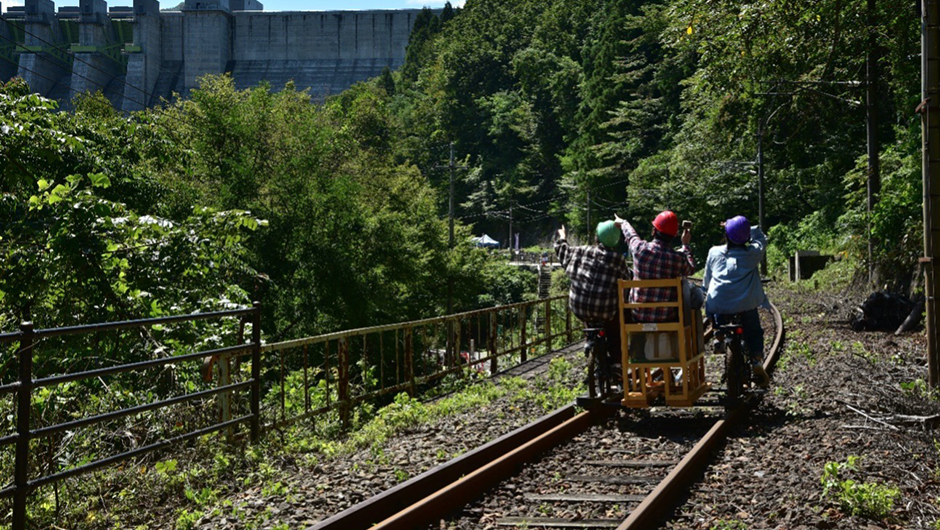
x: 545, y: 432
x: 657, y: 504
x: 424, y: 508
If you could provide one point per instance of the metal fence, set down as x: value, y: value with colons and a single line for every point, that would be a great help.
x: 28, y: 425
x: 288, y: 381
x: 362, y: 365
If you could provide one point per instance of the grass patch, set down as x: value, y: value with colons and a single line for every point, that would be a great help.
x: 869, y: 499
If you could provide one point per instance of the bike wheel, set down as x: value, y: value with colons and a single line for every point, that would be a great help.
x: 591, y: 379
x: 734, y: 374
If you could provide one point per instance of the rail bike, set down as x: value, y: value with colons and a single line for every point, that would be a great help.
x: 664, y: 363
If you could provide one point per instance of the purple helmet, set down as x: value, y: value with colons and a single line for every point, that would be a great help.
x: 738, y: 230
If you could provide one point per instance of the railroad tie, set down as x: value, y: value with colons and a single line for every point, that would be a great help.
x: 606, y: 479
x: 635, y: 464
x: 584, y: 497
x: 551, y: 522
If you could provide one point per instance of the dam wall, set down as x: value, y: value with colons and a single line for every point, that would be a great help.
x: 139, y: 55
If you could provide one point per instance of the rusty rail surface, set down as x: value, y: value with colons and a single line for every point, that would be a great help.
x: 662, y: 499
x: 425, y: 508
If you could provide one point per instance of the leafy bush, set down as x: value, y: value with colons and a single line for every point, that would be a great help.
x: 869, y: 499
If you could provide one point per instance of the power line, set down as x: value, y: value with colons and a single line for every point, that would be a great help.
x: 76, y: 58
x: 31, y: 71
x: 71, y: 72
x: 527, y: 206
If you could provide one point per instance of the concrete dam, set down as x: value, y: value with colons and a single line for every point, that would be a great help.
x: 138, y: 55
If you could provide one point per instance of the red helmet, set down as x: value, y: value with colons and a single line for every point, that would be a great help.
x: 667, y: 223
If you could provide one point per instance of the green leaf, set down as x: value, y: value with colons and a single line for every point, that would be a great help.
x: 99, y: 180
x: 43, y: 184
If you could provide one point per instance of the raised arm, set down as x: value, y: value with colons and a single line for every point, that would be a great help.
x: 755, y: 249
x: 629, y: 235
x: 562, y: 250
x: 758, y: 240
x: 688, y: 263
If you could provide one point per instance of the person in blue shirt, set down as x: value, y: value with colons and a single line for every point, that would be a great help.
x: 732, y: 285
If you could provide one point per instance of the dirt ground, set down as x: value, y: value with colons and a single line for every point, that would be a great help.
x: 837, y: 395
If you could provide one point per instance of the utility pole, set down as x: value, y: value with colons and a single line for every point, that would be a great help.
x: 871, y: 123
x: 452, y: 166
x: 450, y: 208
x: 588, y: 226
x: 760, y: 190
x: 929, y: 110
x: 510, y: 230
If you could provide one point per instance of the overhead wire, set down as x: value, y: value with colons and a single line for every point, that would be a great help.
x: 71, y: 72
x: 76, y: 58
x: 528, y: 206
x: 32, y: 71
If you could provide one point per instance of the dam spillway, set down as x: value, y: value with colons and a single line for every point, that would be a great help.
x: 139, y: 55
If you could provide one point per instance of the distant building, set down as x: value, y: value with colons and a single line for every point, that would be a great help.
x: 138, y: 55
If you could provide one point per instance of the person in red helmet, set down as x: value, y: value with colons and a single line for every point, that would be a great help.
x: 656, y: 260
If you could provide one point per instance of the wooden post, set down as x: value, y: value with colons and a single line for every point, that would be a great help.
x: 930, y: 120
x: 871, y: 114
x: 343, y: 388
x: 23, y: 406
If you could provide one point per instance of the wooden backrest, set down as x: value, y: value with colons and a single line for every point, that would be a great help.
x: 623, y: 297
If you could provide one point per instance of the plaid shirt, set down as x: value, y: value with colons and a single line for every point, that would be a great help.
x: 656, y: 261
x: 593, y: 272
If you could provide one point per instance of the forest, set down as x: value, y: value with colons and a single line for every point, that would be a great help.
x: 334, y: 213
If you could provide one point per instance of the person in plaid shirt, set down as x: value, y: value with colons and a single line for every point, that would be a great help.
x: 656, y: 260
x: 593, y: 271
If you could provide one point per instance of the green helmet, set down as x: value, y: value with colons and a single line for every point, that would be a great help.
x: 608, y: 234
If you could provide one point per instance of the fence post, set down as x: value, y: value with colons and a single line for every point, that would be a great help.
x: 570, y: 336
x: 492, y: 344
x: 450, y: 357
x: 256, y: 372
x: 343, y: 388
x: 410, y: 362
x: 23, y: 406
x: 225, y: 398
x: 548, y: 325
x: 457, y: 357
x: 522, y: 325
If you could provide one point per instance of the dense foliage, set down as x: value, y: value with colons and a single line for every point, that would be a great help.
x: 107, y: 217
x: 631, y: 106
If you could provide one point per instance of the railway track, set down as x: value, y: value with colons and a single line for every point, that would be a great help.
x: 593, y: 469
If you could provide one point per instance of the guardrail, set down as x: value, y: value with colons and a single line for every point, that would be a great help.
x: 298, y: 379
x: 365, y: 364
x: 29, y: 339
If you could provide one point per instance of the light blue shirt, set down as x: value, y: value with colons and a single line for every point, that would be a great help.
x: 732, y: 278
